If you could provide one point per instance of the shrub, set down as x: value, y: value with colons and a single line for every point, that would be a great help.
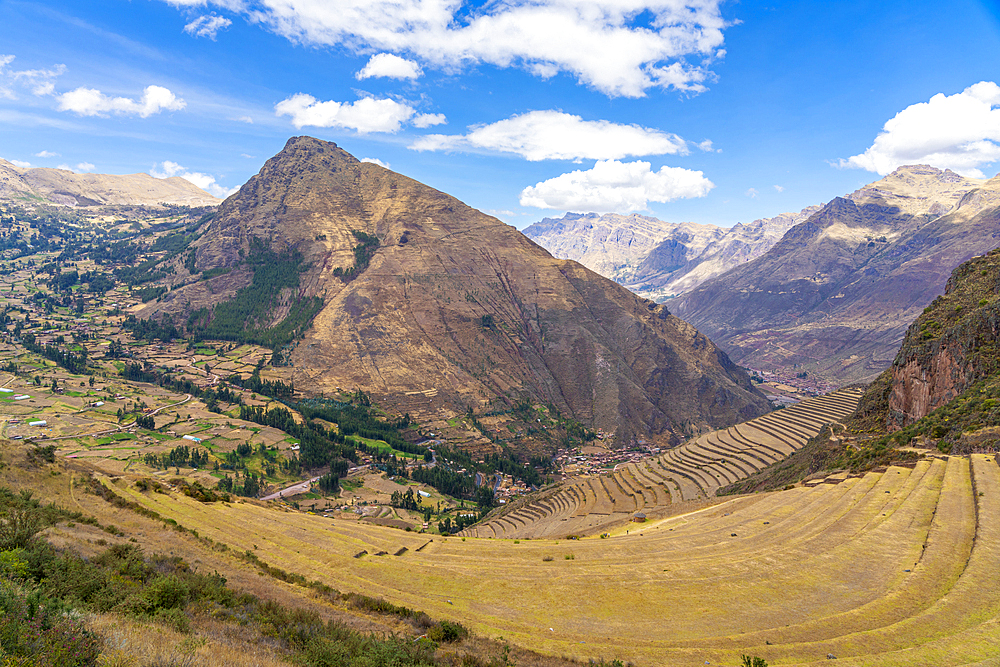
x: 18, y: 528
x: 36, y: 631
x: 446, y: 631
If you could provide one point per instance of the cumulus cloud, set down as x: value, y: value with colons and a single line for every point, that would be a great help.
x: 206, y: 182
x: 20, y: 163
x: 363, y: 116
x: 613, y: 186
x: 245, y: 119
x: 375, y: 160
x: 960, y: 132
x: 46, y: 154
x: 554, y: 135
x: 208, y: 25
x: 92, y: 102
x: 429, y: 119
x: 38, y: 81
x: 621, y: 48
x: 389, y: 66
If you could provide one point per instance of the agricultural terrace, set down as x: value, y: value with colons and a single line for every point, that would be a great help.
x: 694, y: 471
x: 775, y: 575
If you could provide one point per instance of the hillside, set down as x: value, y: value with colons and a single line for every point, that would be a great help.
x: 659, y: 277
x: 943, y: 387
x: 836, y: 294
x: 616, y: 246
x: 435, y: 308
x: 60, y: 186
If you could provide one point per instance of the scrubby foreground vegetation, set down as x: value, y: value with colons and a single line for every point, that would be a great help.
x: 78, y: 591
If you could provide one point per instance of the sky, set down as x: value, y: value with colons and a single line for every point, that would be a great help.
x: 707, y: 111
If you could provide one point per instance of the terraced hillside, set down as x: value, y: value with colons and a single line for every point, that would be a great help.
x: 893, y: 568
x: 692, y: 471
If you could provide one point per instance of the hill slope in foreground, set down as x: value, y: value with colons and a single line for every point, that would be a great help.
x: 433, y: 307
x: 889, y: 568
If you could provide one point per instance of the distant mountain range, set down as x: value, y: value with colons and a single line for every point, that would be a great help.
x: 433, y: 307
x: 835, y: 295
x: 828, y: 290
x: 655, y: 259
x: 60, y: 186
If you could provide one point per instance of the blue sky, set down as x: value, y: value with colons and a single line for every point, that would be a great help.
x: 715, y: 112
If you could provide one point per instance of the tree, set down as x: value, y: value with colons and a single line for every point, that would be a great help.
x: 747, y: 661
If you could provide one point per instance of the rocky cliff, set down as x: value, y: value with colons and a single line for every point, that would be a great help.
x: 944, y: 383
x: 837, y: 293
x: 59, y: 186
x: 455, y: 309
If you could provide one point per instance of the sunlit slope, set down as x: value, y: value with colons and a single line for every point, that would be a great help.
x: 895, y: 568
x: 695, y: 470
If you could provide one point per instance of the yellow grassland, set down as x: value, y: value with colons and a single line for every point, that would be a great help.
x: 895, y: 568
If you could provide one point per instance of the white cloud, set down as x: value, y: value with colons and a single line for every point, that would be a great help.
x: 245, y: 119
x: 365, y: 115
x: 207, y: 26
x: 779, y: 188
x: 389, y: 66
x: 206, y: 182
x: 21, y: 163
x: 375, y: 160
x: 92, y: 102
x: 38, y: 81
x: 499, y: 213
x: 752, y: 193
x: 554, y: 135
x: 613, y: 186
x: 619, y: 47
x: 960, y: 132
x: 429, y: 119
x: 83, y: 166
x: 248, y: 156
x: 46, y: 154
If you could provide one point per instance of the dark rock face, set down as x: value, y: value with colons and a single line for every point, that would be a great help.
x: 468, y: 311
x: 837, y: 293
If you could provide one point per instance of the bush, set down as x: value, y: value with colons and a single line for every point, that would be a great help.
x: 36, y: 631
x: 446, y: 631
x: 18, y: 528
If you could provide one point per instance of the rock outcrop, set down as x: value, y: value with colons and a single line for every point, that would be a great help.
x: 456, y: 309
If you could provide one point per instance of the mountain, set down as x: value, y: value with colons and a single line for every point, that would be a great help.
x: 944, y: 384
x: 615, y: 245
x: 664, y: 273
x: 60, y: 186
x: 837, y: 293
x: 433, y: 307
x: 655, y: 259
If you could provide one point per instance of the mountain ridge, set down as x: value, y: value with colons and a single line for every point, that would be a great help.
x: 456, y: 309
x: 837, y: 292
x: 67, y: 188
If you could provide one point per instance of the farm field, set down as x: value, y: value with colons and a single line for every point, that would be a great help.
x: 776, y: 575
x: 694, y: 471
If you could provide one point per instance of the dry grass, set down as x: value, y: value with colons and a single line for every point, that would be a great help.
x: 791, y: 575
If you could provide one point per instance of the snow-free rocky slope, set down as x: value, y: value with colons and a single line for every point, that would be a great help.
x: 457, y: 309
x: 837, y: 293
x: 60, y: 186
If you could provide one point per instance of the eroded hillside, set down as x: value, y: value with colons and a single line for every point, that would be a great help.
x: 434, y: 307
x: 836, y: 294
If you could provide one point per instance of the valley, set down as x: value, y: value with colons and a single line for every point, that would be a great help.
x: 161, y: 378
